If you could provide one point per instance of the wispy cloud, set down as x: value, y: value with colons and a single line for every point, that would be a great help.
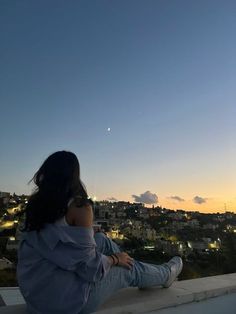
x: 176, y: 198
x: 199, y: 200
x: 112, y: 199
x: 146, y: 198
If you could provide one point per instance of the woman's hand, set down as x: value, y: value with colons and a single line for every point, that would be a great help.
x: 124, y: 260
x: 79, y: 216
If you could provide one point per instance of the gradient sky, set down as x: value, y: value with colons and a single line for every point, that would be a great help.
x: 161, y: 74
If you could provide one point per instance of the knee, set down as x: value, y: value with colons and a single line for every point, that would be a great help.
x: 103, y: 243
x: 100, y: 237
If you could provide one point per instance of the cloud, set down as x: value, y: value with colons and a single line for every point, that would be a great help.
x: 113, y: 199
x: 199, y: 200
x: 146, y: 198
x: 176, y: 198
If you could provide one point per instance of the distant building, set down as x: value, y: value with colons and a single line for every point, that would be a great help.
x: 193, y: 223
x: 211, y: 226
x: 199, y: 246
x: 4, y: 199
x: 115, y: 234
x: 5, y: 264
x: 5, y: 194
x: 139, y: 230
x: 171, y: 248
x: 231, y: 228
x: 144, y: 213
x: 14, y: 210
x: 178, y: 215
x: 12, y: 244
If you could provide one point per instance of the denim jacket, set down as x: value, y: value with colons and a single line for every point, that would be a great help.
x: 56, y: 268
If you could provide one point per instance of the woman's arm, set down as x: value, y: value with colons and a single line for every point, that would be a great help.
x: 79, y: 216
x: 83, y: 217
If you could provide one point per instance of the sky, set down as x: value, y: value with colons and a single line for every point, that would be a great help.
x: 142, y: 91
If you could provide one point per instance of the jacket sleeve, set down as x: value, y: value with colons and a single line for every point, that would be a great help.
x: 78, y: 254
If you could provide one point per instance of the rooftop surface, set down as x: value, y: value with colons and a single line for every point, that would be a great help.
x: 212, y: 295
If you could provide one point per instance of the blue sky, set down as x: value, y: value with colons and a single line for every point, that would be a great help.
x: 160, y: 74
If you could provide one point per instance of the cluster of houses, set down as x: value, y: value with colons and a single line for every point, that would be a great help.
x: 123, y: 220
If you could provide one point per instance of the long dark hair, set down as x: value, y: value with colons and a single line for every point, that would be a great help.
x: 57, y: 181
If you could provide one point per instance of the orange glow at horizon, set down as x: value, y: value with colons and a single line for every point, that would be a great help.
x: 212, y: 205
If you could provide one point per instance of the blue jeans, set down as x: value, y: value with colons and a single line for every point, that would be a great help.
x: 141, y: 275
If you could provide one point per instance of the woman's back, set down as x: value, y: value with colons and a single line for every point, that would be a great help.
x: 56, y: 267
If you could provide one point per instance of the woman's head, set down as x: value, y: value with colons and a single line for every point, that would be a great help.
x: 60, y: 172
x: 57, y: 180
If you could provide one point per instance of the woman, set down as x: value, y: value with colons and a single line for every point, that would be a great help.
x: 62, y: 266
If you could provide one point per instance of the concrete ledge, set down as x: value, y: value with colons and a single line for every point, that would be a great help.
x: 134, y: 301
x: 11, y: 296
